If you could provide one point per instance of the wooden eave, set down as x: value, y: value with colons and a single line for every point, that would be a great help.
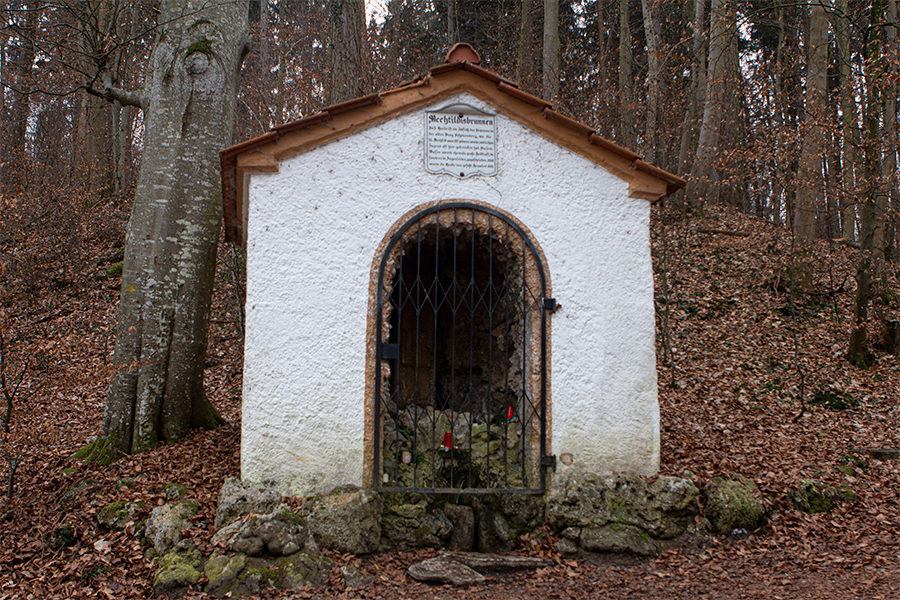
x: 263, y: 154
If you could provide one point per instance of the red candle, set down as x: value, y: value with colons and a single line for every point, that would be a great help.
x: 448, y: 440
x: 509, y: 413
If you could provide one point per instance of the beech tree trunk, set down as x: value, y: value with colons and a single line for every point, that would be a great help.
x: 188, y: 100
x: 809, y: 191
x: 698, y: 90
x: 703, y: 172
x: 889, y: 164
x: 626, y: 93
x: 841, y: 26
x: 550, y: 68
x: 349, y: 78
x: 871, y: 224
x: 654, y: 83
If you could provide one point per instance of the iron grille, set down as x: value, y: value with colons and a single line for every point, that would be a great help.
x: 460, y: 356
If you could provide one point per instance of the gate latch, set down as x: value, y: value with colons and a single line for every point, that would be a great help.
x: 549, y: 461
x: 550, y: 305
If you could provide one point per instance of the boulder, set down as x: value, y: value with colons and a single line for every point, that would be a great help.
x: 166, y: 523
x: 279, y: 533
x: 176, y: 491
x: 662, y: 509
x: 222, y: 574
x: 178, y: 569
x: 354, y: 579
x: 407, y: 526
x: 442, y: 570
x: 237, y: 500
x: 812, y: 496
x: 116, y: 515
x: 462, y: 537
x: 492, y: 530
x: 524, y: 512
x: 734, y: 504
x: 617, y: 537
x: 347, y: 520
x: 496, y: 563
x: 240, y: 575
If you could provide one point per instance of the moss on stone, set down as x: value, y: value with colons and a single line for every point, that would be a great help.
x: 176, y: 571
x: 222, y: 573
x: 734, y: 504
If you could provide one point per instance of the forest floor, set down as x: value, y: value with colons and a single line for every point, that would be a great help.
x: 736, y: 400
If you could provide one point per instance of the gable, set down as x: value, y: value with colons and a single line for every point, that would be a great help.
x: 265, y: 153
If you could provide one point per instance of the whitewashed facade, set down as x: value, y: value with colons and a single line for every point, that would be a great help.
x: 314, y: 211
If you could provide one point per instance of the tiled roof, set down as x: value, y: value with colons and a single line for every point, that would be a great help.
x: 262, y: 154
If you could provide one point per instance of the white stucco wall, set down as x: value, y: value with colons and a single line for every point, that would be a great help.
x: 313, y: 230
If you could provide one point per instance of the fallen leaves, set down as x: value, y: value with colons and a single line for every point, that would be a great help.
x: 732, y: 412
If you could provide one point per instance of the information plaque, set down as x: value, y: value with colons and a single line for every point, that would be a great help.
x: 460, y: 140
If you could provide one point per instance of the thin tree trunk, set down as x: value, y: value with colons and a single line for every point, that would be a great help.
x: 92, y: 136
x: 453, y: 28
x: 22, y: 62
x: 188, y: 99
x: 653, y: 80
x: 550, y: 54
x: 889, y: 165
x: 626, y: 94
x: 698, y: 91
x: 523, y: 39
x: 349, y: 77
x: 809, y: 190
x: 841, y: 26
x: 282, y: 64
x: 601, y: 54
x: 872, y: 219
x: 703, y: 173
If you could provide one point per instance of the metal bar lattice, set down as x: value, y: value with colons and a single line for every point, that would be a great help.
x: 461, y: 325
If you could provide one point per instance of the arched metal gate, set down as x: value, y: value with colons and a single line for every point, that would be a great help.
x: 461, y: 356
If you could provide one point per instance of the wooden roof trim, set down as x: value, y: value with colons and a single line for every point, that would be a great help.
x: 489, y: 75
x: 446, y: 68
x: 269, y: 136
x: 569, y: 122
x: 671, y: 178
x: 308, y: 121
x: 523, y: 96
x: 613, y: 147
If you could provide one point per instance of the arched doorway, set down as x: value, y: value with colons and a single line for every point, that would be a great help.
x: 461, y: 354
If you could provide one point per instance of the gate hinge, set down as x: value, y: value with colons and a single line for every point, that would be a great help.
x: 549, y: 461
x: 550, y: 305
x: 390, y: 351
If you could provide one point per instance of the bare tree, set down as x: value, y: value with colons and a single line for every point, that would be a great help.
x: 550, y: 68
x: 188, y: 101
x: 809, y: 190
x: 703, y: 172
x: 349, y: 78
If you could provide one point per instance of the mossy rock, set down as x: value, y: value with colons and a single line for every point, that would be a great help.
x: 618, y: 537
x: 176, y: 491
x: 222, y: 573
x: 116, y: 515
x: 812, y: 496
x: 734, y: 504
x: 177, y: 570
